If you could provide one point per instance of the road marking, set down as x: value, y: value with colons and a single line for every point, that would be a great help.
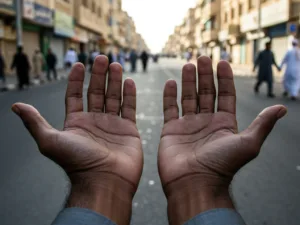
x: 151, y: 182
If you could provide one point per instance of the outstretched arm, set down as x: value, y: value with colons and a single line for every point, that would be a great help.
x: 200, y: 153
x: 99, y: 150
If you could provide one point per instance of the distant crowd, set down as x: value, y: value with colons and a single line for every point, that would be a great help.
x: 22, y: 65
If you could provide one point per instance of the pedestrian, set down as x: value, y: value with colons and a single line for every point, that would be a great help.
x: 144, y: 58
x: 2, y: 70
x: 110, y: 57
x: 21, y: 63
x: 95, y: 53
x: 51, y: 64
x: 91, y: 60
x: 187, y: 56
x: 264, y: 62
x: 225, y: 55
x: 38, y: 63
x: 70, y: 59
x: 121, y: 58
x: 101, y: 150
x: 291, y: 78
x: 82, y: 57
x: 133, y: 58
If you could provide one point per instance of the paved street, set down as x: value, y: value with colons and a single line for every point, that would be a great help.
x: 33, y: 189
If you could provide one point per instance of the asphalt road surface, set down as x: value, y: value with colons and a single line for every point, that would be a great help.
x: 33, y: 189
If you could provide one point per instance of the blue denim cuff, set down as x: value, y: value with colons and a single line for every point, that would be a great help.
x: 217, y: 217
x: 81, y: 216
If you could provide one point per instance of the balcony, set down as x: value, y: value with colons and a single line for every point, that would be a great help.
x: 209, y: 35
x: 91, y: 20
x: 210, y: 9
x: 198, y: 14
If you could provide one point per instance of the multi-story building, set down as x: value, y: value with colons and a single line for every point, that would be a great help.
x: 229, y: 35
x: 210, y: 14
x: 92, y: 28
x: 189, y: 23
x: 198, y: 28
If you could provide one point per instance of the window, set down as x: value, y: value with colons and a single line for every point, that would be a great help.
x: 241, y: 9
x: 251, y: 4
x: 99, y: 12
x: 93, y: 7
x: 225, y: 17
x: 84, y: 3
x: 232, y: 13
x: 211, y: 24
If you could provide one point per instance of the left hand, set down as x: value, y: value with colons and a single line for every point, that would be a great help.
x: 99, y: 150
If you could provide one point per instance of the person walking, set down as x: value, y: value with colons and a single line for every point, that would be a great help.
x: 82, y: 56
x: 70, y: 59
x: 51, y: 65
x: 225, y: 55
x: 21, y: 63
x: 264, y: 61
x: 133, y: 58
x: 291, y: 78
x: 121, y: 58
x: 2, y: 70
x: 144, y: 58
x: 38, y: 63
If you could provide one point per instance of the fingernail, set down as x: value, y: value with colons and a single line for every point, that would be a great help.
x: 281, y: 113
x: 16, y: 110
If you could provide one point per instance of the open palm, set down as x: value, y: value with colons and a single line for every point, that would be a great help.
x: 99, y: 143
x: 203, y: 148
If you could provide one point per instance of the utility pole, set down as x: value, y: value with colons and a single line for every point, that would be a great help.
x: 259, y: 29
x: 19, y: 29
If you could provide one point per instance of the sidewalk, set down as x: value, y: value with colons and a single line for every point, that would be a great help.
x: 12, y: 81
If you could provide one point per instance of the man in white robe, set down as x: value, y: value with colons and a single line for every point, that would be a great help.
x: 291, y: 79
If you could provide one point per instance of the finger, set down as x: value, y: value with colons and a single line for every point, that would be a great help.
x: 96, y: 91
x: 171, y: 111
x: 129, y: 100
x: 206, y: 85
x: 37, y: 126
x: 260, y: 128
x: 114, y: 88
x: 73, y: 99
x: 189, y: 91
x: 226, y: 89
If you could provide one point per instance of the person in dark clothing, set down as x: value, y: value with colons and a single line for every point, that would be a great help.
x: 144, y: 58
x: 264, y: 61
x: 51, y: 64
x: 133, y: 57
x: 82, y: 57
x: 2, y: 68
x: 21, y: 63
x: 110, y: 57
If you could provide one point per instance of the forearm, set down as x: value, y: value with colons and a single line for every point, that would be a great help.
x: 112, y: 197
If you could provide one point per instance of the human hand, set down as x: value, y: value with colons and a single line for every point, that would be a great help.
x: 100, y: 151
x: 201, y: 152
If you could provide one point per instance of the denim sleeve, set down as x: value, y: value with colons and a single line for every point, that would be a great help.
x: 217, y: 217
x: 80, y: 216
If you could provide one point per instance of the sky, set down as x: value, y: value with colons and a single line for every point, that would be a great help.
x: 155, y: 20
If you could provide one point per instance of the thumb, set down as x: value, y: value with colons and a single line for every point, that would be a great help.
x: 261, y: 127
x: 37, y: 126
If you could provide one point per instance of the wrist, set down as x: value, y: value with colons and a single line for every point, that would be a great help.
x: 191, y: 196
x: 110, y: 196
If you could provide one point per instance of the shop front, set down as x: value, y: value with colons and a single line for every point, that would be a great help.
x: 79, y: 39
x: 37, y: 26
x: 63, y: 30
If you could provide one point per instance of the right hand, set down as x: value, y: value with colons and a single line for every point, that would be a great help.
x: 100, y: 151
x: 201, y: 152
